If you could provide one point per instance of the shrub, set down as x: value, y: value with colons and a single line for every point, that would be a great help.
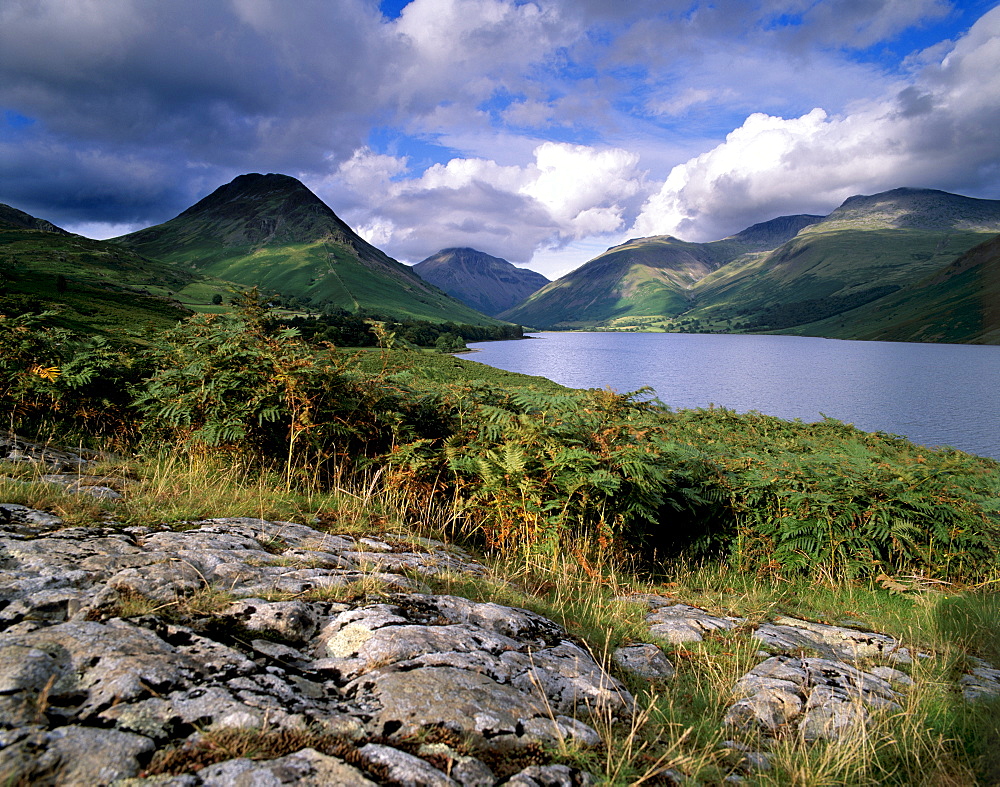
x: 51, y: 373
x: 239, y: 382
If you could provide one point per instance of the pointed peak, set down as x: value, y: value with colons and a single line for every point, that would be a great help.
x: 254, y: 186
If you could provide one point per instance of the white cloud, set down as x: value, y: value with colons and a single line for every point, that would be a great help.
x: 100, y: 230
x: 568, y: 192
x: 940, y: 131
x: 574, y: 181
x: 139, y: 108
x: 367, y: 171
x: 462, y: 51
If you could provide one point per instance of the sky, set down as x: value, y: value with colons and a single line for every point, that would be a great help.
x: 542, y: 132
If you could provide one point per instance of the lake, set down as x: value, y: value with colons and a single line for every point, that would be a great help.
x: 934, y: 394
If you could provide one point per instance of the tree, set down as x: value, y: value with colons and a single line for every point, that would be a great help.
x: 449, y: 343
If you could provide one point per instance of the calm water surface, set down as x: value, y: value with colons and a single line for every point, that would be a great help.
x: 934, y: 394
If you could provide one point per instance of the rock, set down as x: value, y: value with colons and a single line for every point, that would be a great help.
x: 403, y: 768
x: 161, y: 583
x: 825, y: 698
x: 202, y: 708
x: 492, y: 714
x: 678, y: 623
x: 550, y: 776
x: 306, y: 768
x: 86, y: 694
x: 894, y: 677
x: 744, y: 757
x: 71, y: 755
x: 467, y: 771
x: 982, y: 683
x: 645, y: 661
x: 401, y: 659
x: 828, y: 716
x: 101, y: 487
x: 17, y: 449
x: 77, y: 669
x: 74, y: 671
x: 14, y: 514
x: 836, y: 642
x: 769, y: 710
x: 293, y: 621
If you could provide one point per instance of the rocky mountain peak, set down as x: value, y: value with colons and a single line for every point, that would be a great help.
x: 484, y: 282
x: 911, y: 208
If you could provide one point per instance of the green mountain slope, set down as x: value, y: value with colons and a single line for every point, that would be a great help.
x: 839, y: 275
x: 13, y: 218
x: 645, y: 279
x: 865, y: 250
x: 487, y: 284
x: 271, y: 231
x: 93, y: 285
x: 958, y: 303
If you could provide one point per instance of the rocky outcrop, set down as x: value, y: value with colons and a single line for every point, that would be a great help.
x: 247, y: 651
x: 120, y: 642
x: 73, y: 471
x: 815, y: 680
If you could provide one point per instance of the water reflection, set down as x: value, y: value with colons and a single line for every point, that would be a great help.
x: 935, y: 394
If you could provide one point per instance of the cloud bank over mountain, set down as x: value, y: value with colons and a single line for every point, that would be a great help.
x: 519, y: 128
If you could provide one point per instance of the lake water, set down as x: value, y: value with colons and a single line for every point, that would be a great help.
x: 934, y: 394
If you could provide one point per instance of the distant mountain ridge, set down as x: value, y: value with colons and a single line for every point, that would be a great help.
x: 651, y: 277
x: 827, y: 276
x: 273, y: 232
x: 921, y: 209
x: 486, y: 283
x: 770, y: 234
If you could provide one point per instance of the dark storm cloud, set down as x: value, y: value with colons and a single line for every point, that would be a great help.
x: 161, y: 91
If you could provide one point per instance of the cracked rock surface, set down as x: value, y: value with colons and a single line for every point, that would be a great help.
x: 825, y: 697
x: 106, y: 657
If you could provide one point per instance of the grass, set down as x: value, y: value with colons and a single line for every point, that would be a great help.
x: 434, y: 368
x: 104, y: 289
x: 934, y: 739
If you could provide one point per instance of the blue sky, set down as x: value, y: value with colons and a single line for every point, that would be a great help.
x: 542, y: 132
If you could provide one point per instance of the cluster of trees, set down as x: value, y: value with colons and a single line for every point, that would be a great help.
x: 346, y: 329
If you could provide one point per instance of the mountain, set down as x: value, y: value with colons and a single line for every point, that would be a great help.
x: 838, y: 275
x: 487, y: 284
x: 12, y: 218
x: 271, y: 231
x: 92, y: 285
x: 645, y: 279
x: 867, y: 249
x: 916, y: 209
x: 958, y: 303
